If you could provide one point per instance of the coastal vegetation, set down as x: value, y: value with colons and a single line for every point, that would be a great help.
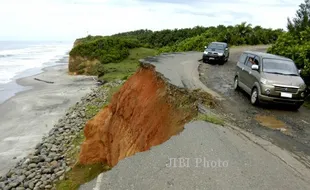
x: 116, y: 57
x: 295, y: 43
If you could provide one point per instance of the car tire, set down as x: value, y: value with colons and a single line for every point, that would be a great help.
x: 296, y: 107
x: 236, y: 83
x: 254, y: 96
x: 222, y: 62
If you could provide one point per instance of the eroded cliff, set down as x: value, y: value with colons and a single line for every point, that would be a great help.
x: 145, y: 112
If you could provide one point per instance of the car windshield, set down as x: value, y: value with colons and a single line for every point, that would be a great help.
x: 279, y: 66
x: 216, y: 46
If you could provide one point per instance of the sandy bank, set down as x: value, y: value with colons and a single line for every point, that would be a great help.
x: 26, y: 117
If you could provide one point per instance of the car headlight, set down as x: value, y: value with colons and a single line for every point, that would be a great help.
x: 263, y: 81
x: 303, y: 87
x: 205, y: 52
x: 220, y: 54
x: 302, y: 94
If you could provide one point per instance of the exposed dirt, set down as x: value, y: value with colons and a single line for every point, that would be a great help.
x: 295, y: 135
x: 146, y: 112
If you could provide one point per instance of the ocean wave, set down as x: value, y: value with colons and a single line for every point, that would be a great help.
x: 15, y: 61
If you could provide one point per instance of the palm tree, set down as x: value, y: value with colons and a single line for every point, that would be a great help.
x: 244, y: 29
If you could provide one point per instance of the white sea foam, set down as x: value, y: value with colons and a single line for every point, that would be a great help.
x: 15, y: 61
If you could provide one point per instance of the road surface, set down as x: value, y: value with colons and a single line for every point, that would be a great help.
x: 204, y: 155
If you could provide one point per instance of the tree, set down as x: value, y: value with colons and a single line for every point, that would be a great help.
x: 301, y: 21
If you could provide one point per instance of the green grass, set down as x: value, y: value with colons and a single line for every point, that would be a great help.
x: 79, y: 175
x: 210, y: 118
x: 127, y: 67
x: 91, y: 110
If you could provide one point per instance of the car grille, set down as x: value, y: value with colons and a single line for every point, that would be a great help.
x: 285, y: 89
x: 214, y: 53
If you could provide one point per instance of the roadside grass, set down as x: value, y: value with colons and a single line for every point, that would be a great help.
x: 127, y: 67
x: 79, y: 174
x: 210, y: 118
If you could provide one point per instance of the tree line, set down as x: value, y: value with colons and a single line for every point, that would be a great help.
x: 295, y: 43
x: 115, y: 48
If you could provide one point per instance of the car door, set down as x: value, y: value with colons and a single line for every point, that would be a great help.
x: 253, y: 74
x: 240, y: 69
x: 247, y: 72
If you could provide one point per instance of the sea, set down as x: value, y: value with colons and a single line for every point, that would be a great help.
x: 25, y: 58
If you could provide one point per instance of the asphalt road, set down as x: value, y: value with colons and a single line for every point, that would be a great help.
x: 204, y: 156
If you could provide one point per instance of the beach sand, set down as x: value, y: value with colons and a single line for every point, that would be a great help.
x: 27, y: 116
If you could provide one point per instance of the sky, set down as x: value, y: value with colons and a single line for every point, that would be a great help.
x: 35, y: 20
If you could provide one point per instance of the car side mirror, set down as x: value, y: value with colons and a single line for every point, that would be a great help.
x: 205, y: 47
x: 255, y: 67
x: 226, y: 48
x: 299, y: 71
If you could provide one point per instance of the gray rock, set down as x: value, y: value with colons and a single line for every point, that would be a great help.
x: 60, y: 173
x: 26, y: 184
x: 47, y: 171
x: 48, y: 186
x: 32, y: 165
x: 20, y: 188
x: 47, y: 159
x: 38, y: 183
x: 38, y: 176
x: 31, y: 185
x: 14, y: 184
x: 21, y: 178
x: 54, y: 148
x: 2, y: 184
x: 32, y: 175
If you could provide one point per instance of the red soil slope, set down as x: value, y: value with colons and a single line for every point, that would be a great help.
x: 141, y: 115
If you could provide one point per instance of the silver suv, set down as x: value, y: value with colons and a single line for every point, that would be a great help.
x: 270, y: 78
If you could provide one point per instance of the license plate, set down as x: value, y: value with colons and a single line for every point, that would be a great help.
x: 211, y: 58
x: 286, y: 95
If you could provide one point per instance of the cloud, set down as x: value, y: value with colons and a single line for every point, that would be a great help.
x: 70, y: 19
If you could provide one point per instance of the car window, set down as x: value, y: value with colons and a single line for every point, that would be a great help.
x: 279, y: 66
x: 216, y: 46
x: 250, y: 61
x: 242, y: 58
x: 256, y: 60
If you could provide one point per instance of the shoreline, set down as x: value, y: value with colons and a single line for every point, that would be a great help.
x: 31, y: 113
x: 14, y: 87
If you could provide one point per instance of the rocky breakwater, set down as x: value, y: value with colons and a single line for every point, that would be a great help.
x: 145, y: 112
x: 49, y: 161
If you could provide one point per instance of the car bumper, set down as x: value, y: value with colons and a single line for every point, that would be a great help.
x: 275, y: 96
x: 277, y: 100
x: 207, y: 57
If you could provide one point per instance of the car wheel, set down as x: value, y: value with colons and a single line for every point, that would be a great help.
x: 254, y: 97
x: 236, y: 83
